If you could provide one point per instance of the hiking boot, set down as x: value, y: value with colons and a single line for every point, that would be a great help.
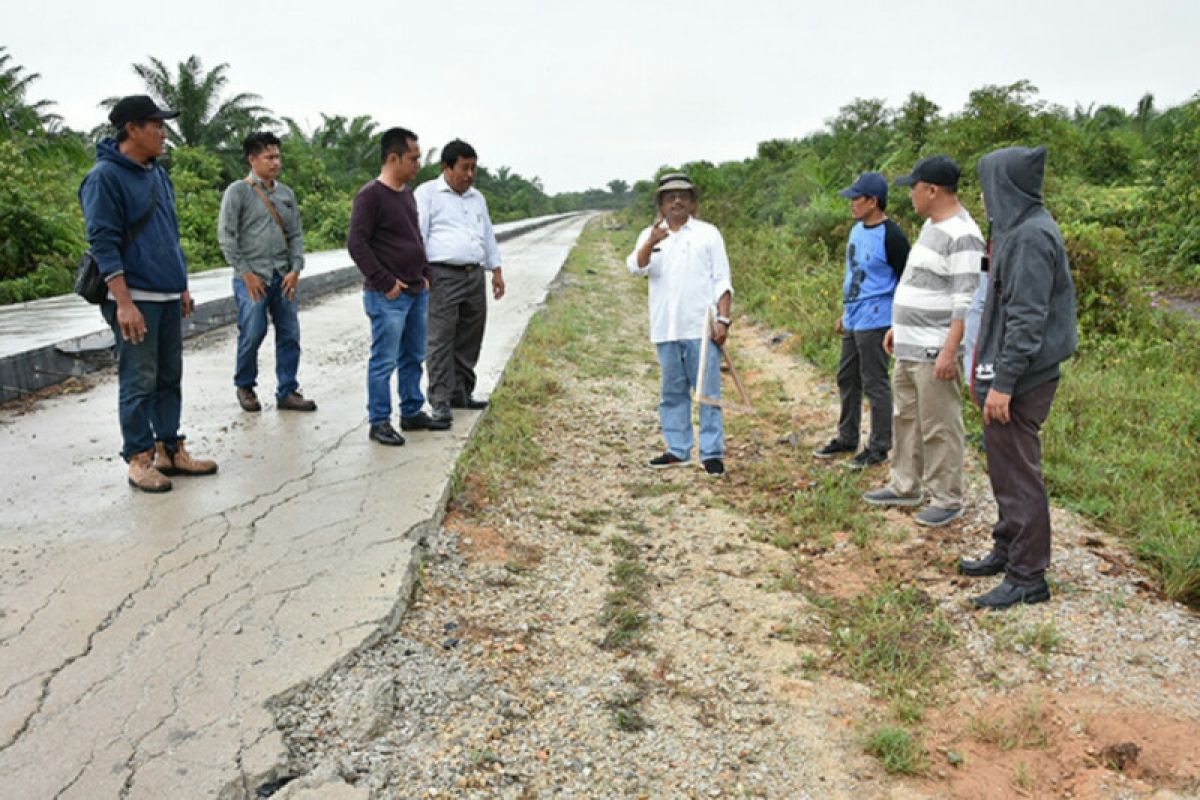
x: 143, y: 474
x: 714, y: 467
x: 423, y: 422
x: 936, y: 516
x: 835, y: 448
x: 247, y: 399
x: 440, y: 412
x: 667, y: 460
x: 181, y: 463
x: 295, y: 402
x: 886, y: 497
x: 867, y: 458
x: 1010, y: 594
x: 384, y: 433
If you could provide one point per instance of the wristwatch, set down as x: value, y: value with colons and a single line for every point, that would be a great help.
x: 726, y: 321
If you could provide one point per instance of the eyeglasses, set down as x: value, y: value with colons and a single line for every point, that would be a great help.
x: 677, y: 194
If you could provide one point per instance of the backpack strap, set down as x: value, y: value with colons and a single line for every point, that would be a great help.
x: 141, y: 224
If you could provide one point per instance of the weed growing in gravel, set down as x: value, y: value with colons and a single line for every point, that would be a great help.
x: 893, y: 639
x: 1042, y: 637
x: 624, y: 613
x: 898, y: 751
x: 1022, y: 777
x: 1024, y: 729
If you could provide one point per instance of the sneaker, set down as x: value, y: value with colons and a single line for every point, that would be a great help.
x: 714, y: 467
x: 936, y: 516
x: 247, y: 399
x: 1009, y: 594
x: 384, y: 433
x: 423, y: 422
x: 886, y: 497
x: 867, y: 458
x: 835, y: 448
x: 441, y: 412
x: 295, y: 402
x: 667, y: 460
x: 145, y: 476
x: 181, y: 462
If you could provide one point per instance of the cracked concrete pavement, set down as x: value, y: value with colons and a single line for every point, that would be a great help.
x: 141, y: 635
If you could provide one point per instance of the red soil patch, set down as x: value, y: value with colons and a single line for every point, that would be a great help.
x: 1078, y: 745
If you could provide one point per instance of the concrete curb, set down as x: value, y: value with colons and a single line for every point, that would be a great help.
x: 25, y: 372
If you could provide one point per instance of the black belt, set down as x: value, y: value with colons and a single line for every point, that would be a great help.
x: 463, y: 267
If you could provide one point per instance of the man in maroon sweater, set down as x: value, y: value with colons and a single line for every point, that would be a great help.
x: 385, y: 243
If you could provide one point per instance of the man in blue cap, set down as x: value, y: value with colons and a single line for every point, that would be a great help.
x: 875, y: 258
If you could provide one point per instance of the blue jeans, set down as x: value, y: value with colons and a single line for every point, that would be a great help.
x: 397, y: 345
x: 680, y: 362
x: 148, y: 377
x: 252, y: 329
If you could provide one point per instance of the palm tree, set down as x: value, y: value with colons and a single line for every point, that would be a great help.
x: 205, y: 119
x: 18, y: 116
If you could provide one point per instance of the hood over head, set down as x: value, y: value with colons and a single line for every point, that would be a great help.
x: 1012, y: 184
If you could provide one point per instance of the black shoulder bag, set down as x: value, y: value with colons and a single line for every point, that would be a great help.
x: 89, y: 283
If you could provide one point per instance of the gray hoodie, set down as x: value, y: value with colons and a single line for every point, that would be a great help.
x: 1028, y: 325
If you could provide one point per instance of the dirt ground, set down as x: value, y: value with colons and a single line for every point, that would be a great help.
x: 728, y: 686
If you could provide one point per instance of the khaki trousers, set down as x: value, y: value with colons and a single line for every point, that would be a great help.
x: 928, y: 431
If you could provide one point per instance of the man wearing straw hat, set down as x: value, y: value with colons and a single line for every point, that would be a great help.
x: 685, y: 261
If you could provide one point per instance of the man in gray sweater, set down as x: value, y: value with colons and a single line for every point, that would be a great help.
x: 1028, y: 330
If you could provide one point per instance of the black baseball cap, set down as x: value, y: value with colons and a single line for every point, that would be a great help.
x: 136, y: 108
x: 938, y: 170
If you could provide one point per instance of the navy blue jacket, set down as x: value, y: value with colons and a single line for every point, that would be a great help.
x: 115, y: 194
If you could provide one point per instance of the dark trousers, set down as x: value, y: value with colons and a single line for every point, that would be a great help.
x: 457, y: 316
x: 1014, y: 462
x: 149, y: 375
x: 863, y: 369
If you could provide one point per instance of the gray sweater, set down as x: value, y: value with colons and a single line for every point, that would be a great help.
x: 1029, y: 324
x: 250, y: 238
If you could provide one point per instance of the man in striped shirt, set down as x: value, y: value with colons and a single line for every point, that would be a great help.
x: 928, y: 315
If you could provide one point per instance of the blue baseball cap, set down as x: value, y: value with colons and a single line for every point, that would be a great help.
x: 869, y: 184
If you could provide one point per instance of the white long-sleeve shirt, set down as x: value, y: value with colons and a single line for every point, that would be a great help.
x: 688, y: 272
x: 456, y: 227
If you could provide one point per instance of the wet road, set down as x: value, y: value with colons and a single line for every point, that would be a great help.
x: 141, y: 635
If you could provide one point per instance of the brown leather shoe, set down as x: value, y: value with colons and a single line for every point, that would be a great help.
x: 143, y: 474
x: 247, y: 399
x: 295, y: 402
x: 181, y: 463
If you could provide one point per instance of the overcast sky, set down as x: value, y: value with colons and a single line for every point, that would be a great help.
x: 581, y: 93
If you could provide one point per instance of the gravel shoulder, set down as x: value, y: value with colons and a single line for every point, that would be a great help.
x: 506, y: 677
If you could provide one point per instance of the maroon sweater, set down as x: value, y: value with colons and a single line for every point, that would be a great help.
x: 385, y: 239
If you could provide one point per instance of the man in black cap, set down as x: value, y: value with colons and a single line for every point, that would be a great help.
x: 928, y: 311
x: 875, y: 257
x: 129, y: 206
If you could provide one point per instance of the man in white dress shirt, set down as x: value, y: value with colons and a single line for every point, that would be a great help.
x: 685, y: 260
x: 460, y: 246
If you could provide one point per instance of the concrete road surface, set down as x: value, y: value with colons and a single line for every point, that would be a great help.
x: 141, y: 635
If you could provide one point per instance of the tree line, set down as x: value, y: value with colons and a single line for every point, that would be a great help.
x: 42, y: 162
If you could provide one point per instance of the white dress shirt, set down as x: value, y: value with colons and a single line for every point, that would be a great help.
x: 689, y: 272
x: 456, y: 227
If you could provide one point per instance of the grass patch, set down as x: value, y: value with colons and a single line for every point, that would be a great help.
x: 507, y: 448
x: 1025, y: 728
x: 624, y: 613
x: 898, y: 751
x: 893, y: 639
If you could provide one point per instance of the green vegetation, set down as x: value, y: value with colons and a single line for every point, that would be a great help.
x: 898, y: 751
x: 1120, y: 445
x: 42, y: 164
